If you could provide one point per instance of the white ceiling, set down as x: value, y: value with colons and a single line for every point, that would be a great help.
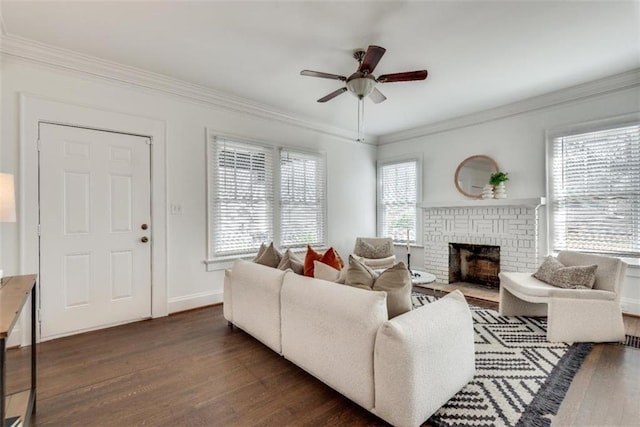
x: 480, y: 54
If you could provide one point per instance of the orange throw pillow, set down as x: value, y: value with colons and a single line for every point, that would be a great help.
x: 308, y: 261
x: 330, y: 257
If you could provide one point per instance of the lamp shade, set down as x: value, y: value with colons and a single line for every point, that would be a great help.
x: 7, y: 198
x: 361, y: 86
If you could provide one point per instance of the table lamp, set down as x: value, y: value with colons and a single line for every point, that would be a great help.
x: 7, y: 201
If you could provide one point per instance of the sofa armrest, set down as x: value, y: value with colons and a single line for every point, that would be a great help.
x: 422, y: 358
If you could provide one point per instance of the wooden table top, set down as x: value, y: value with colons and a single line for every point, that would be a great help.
x: 13, y: 295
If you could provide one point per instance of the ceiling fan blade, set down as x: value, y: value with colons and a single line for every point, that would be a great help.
x: 376, y: 96
x: 310, y: 73
x: 332, y: 95
x: 371, y: 59
x: 403, y: 77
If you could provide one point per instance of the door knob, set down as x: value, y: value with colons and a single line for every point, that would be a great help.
x: 144, y: 239
x: 144, y: 226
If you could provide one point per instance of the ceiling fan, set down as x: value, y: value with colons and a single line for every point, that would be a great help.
x: 362, y: 83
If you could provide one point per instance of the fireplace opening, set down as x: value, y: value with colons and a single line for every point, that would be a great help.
x: 478, y: 264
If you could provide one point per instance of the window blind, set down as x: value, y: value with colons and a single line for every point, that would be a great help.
x: 241, y: 196
x: 595, y: 191
x: 398, y: 200
x: 302, y: 199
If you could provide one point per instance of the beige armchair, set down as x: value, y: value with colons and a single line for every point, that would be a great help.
x: 375, y: 252
x: 573, y: 315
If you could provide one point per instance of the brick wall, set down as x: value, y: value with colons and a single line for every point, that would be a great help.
x: 514, y: 229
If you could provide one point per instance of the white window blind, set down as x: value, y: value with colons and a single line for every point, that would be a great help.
x: 595, y: 191
x: 397, y: 200
x: 241, y: 196
x: 302, y: 199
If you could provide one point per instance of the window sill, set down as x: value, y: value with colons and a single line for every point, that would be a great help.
x: 404, y: 245
x: 222, y: 263
x: 225, y: 262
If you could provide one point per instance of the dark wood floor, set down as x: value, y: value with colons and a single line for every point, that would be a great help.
x: 190, y: 369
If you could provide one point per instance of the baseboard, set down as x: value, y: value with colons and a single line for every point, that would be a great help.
x: 189, y: 302
x: 630, y: 306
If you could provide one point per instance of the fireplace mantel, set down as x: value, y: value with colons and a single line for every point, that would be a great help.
x: 480, y: 203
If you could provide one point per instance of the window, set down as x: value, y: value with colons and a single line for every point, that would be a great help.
x: 248, y: 206
x: 397, y: 200
x: 241, y: 196
x: 595, y: 190
x: 302, y: 199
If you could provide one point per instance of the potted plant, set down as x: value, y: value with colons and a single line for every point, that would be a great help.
x: 498, y: 177
x: 497, y: 180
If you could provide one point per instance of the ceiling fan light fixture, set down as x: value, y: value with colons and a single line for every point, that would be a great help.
x: 361, y: 87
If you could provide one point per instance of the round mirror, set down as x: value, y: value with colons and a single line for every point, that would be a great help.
x: 473, y: 174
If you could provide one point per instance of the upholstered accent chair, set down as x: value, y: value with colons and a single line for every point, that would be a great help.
x: 573, y: 315
x: 375, y: 252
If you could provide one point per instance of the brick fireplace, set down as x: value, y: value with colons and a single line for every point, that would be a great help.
x: 510, y: 225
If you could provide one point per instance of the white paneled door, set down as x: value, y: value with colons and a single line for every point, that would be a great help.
x: 95, y: 230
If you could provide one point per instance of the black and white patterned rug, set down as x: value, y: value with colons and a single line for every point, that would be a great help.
x: 520, y: 380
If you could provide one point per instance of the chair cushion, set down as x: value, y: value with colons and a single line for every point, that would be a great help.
x: 557, y: 274
x: 523, y: 284
x: 382, y: 249
x: 377, y: 263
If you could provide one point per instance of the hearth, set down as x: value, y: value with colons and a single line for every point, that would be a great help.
x: 478, y: 264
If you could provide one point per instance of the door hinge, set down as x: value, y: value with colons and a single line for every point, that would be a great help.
x: 38, y: 144
x: 38, y: 230
x: 149, y: 142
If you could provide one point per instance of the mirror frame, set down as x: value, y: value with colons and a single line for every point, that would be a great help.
x: 461, y: 165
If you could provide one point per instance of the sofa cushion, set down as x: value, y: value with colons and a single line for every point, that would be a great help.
x: 330, y: 257
x: 396, y: 282
x: 270, y: 257
x: 290, y: 260
x: 326, y: 272
x: 359, y: 275
x: 263, y: 247
x: 557, y: 274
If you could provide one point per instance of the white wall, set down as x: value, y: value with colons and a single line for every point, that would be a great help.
x: 350, y: 178
x: 517, y: 143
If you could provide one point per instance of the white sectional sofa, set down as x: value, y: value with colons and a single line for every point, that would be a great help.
x: 402, y: 369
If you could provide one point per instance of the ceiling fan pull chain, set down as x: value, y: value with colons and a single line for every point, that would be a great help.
x: 361, y: 120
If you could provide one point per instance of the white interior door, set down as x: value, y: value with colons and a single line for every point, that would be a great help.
x: 95, y: 265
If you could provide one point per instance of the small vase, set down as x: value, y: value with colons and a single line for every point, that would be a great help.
x: 487, y: 192
x: 500, y: 191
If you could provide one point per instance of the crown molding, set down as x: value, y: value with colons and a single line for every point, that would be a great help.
x: 33, y: 51
x: 598, y: 87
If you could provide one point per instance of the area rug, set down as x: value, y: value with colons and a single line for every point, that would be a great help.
x: 520, y: 380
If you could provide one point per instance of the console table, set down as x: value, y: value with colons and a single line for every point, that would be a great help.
x: 13, y: 295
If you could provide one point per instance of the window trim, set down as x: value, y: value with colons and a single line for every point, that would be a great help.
x: 214, y: 262
x: 417, y: 157
x: 583, y: 127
